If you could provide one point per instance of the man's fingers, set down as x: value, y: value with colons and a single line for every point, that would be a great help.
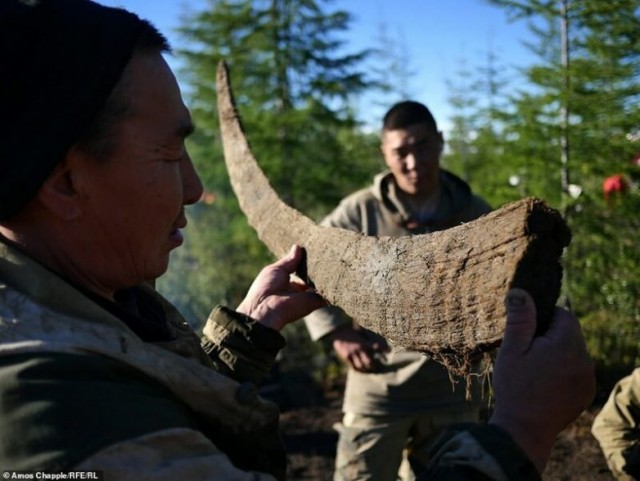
x: 359, y: 360
x: 298, y: 285
x: 302, y: 303
x: 564, y: 326
x: 565, y: 330
x: 379, y: 347
x: 355, y: 362
x: 521, y: 321
x: 291, y: 260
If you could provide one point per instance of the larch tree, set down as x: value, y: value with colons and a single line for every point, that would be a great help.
x: 576, y: 121
x: 295, y: 82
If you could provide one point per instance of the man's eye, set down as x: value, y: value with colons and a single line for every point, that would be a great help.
x: 174, y: 160
x: 174, y: 157
x: 402, y: 153
x: 414, y: 148
x: 421, y: 146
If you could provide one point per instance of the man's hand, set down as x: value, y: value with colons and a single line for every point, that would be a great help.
x: 356, y: 349
x: 541, y: 383
x: 275, y: 299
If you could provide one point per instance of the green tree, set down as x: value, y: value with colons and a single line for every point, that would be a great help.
x: 534, y: 133
x: 294, y: 83
x: 583, y: 92
x: 463, y: 99
x: 572, y: 124
x: 392, y: 71
x: 475, y: 144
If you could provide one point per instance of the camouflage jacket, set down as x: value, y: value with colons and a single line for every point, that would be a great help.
x: 81, y: 391
x: 617, y: 428
x: 478, y: 452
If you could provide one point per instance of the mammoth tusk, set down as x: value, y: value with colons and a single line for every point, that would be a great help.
x: 440, y: 293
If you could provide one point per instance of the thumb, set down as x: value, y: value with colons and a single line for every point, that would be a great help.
x: 521, y: 320
x: 290, y: 260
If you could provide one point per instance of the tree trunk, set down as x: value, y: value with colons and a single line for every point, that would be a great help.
x: 439, y: 293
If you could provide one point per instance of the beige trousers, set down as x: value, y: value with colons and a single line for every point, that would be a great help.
x: 390, y: 447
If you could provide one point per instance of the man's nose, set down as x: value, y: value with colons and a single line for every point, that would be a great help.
x: 411, y: 161
x: 191, y: 183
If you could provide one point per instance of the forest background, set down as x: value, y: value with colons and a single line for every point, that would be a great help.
x: 556, y: 130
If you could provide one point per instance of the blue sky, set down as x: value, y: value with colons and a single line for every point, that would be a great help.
x: 437, y: 35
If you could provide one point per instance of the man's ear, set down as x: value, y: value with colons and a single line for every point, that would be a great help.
x: 59, y: 193
x: 383, y: 153
x: 383, y: 147
x: 441, y: 138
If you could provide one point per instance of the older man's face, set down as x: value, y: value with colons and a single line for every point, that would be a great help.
x: 134, y: 206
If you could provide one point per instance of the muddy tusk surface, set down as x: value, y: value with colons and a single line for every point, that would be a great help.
x: 440, y: 293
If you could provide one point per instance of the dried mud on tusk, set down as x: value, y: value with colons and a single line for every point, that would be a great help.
x: 442, y: 293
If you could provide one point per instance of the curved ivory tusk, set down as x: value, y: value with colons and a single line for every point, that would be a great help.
x: 440, y: 293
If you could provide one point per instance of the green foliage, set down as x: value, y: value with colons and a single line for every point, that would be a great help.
x: 476, y: 142
x: 569, y: 117
x: 604, y: 275
x: 293, y: 82
x: 596, y: 84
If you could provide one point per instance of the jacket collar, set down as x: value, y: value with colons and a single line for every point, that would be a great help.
x: 40, y: 312
x: 454, y: 196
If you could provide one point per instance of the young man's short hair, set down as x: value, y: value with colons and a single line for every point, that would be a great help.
x: 406, y: 113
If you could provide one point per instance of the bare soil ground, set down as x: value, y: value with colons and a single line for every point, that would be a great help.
x: 311, y: 442
x: 576, y: 455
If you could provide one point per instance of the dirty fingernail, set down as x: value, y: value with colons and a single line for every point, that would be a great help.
x: 515, y: 299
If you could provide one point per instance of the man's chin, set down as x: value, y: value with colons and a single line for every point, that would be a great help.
x: 413, y: 189
x: 408, y: 187
x: 421, y: 189
x: 159, y: 269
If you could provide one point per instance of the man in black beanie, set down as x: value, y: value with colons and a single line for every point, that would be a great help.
x: 97, y: 370
x: 100, y: 372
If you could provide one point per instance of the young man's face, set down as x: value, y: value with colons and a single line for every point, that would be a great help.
x: 413, y: 156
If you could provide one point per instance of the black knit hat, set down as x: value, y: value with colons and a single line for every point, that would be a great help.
x: 59, y: 62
